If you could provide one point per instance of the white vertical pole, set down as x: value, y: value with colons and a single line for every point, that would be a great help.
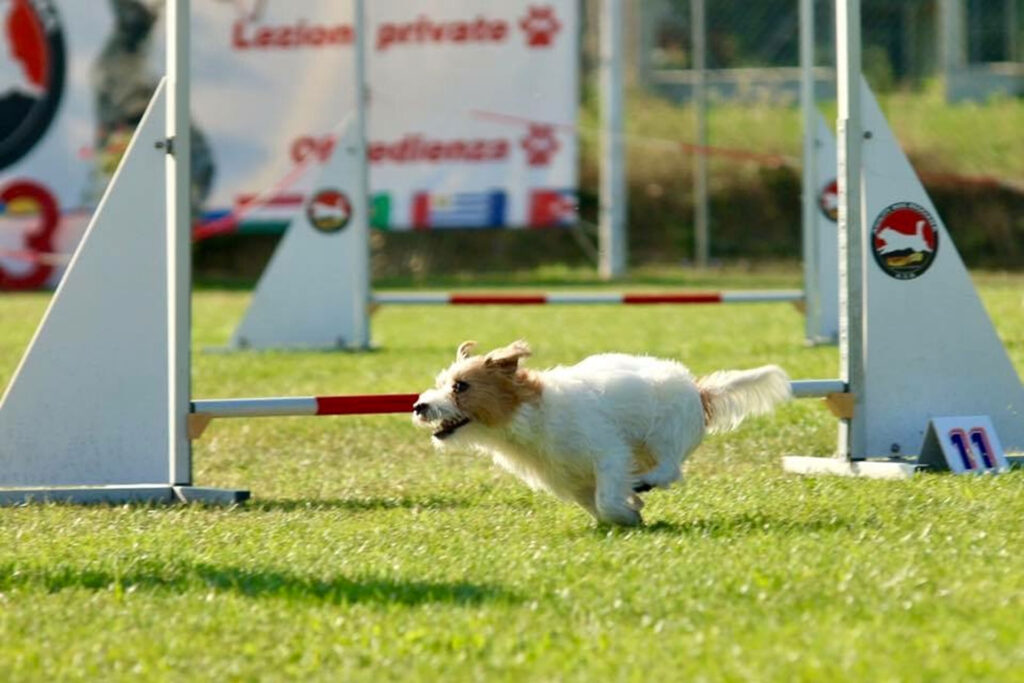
x: 612, y: 199
x: 809, y: 180
x: 361, y: 291
x: 852, y: 284
x: 179, y: 240
x: 701, y: 237
x: 952, y: 42
x: 1010, y: 22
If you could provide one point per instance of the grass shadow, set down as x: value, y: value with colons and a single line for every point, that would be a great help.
x: 368, y: 504
x: 744, y: 524
x: 254, y: 583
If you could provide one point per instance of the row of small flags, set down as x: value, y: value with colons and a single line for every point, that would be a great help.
x: 546, y: 208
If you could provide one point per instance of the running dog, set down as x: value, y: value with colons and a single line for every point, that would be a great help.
x: 598, y: 433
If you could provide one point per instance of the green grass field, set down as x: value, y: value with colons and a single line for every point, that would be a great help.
x: 365, y: 555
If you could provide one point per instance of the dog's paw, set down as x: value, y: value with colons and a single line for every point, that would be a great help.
x: 621, y: 516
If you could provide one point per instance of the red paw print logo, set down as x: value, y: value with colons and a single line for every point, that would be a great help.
x: 539, y: 144
x: 540, y: 26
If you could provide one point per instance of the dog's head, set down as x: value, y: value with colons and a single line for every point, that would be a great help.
x: 485, y: 391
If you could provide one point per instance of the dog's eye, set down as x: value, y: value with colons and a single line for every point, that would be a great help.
x: 459, y: 386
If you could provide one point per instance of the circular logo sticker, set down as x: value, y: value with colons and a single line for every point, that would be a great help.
x: 329, y: 211
x: 904, y: 240
x: 31, y: 74
x: 828, y: 201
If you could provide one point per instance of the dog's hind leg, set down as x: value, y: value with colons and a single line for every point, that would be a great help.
x: 664, y: 475
x: 667, y: 450
x: 665, y: 469
x: 614, y: 498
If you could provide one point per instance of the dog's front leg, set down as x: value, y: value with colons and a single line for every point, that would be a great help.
x: 614, y: 497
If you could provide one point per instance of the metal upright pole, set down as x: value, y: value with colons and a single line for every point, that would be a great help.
x: 852, y: 283
x: 179, y: 240
x: 701, y: 236
x: 612, y: 199
x: 952, y: 43
x: 809, y: 189
x: 361, y: 291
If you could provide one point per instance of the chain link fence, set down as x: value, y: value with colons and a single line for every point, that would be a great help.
x: 948, y: 73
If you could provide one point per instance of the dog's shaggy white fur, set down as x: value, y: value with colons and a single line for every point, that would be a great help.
x: 597, y: 433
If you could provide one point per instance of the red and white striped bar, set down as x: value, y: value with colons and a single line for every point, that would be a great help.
x: 370, y: 404
x: 381, y: 404
x: 583, y: 298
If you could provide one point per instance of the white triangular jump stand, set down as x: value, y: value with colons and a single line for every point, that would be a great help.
x: 925, y: 346
x: 821, y: 271
x: 97, y: 410
x: 314, y: 293
x: 931, y: 347
x: 62, y: 421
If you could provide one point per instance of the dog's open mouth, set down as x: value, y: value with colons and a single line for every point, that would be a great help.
x: 449, y: 427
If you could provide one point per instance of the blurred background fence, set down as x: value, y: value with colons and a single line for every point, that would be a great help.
x: 949, y: 75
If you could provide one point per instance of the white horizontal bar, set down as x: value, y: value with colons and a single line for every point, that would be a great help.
x: 759, y: 296
x: 817, y: 388
x: 255, y: 407
x: 410, y: 298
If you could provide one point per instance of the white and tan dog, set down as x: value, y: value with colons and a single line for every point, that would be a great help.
x: 597, y: 433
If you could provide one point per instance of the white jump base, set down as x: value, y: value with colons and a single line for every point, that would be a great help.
x: 872, y: 469
x: 154, y: 494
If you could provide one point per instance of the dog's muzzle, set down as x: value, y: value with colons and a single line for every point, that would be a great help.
x: 447, y: 422
x: 450, y: 426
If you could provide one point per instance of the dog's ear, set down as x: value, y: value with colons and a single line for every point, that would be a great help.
x: 507, y: 357
x: 465, y: 350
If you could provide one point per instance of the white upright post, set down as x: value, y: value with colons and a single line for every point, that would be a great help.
x: 953, y: 43
x: 824, y: 232
x: 612, y: 219
x: 809, y: 178
x: 361, y: 242
x: 179, y: 239
x: 852, y: 293
x: 701, y: 231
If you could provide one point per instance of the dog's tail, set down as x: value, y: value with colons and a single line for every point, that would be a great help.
x: 728, y: 396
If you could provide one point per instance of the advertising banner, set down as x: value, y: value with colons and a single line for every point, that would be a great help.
x: 471, y: 116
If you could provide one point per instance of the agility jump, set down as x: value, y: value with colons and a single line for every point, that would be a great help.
x: 315, y: 291
x: 118, y: 329
x: 204, y: 410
